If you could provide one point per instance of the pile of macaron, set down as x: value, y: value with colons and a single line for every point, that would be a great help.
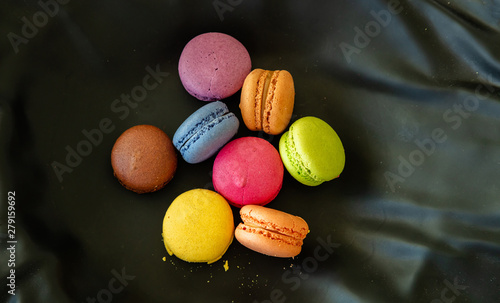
x: 248, y: 172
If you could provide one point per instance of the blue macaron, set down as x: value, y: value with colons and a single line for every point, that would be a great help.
x: 203, y: 133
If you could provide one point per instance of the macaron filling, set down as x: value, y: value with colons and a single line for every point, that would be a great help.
x: 266, y: 87
x: 270, y: 226
x: 273, y: 235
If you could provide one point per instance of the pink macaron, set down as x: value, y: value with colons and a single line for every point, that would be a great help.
x: 213, y: 66
x: 248, y: 171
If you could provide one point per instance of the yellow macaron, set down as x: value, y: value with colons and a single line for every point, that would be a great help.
x: 198, y: 226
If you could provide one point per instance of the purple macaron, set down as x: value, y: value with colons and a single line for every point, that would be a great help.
x: 213, y: 66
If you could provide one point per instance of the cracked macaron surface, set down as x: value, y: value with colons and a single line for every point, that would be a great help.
x: 213, y: 66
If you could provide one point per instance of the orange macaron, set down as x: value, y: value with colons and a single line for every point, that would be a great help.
x: 270, y: 231
x: 267, y: 100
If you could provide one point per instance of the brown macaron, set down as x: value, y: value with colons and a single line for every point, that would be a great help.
x: 144, y: 159
x: 271, y: 232
x: 267, y: 100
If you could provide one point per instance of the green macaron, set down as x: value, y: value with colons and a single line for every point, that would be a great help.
x: 312, y: 151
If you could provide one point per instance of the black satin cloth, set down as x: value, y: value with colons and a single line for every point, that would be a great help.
x: 411, y: 87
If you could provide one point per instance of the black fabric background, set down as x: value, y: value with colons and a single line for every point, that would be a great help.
x: 416, y: 103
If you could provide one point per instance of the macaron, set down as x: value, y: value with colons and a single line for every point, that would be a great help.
x: 312, y: 151
x: 205, y: 131
x: 213, y: 66
x: 143, y: 159
x: 248, y: 170
x: 267, y: 100
x: 271, y: 232
x: 198, y: 226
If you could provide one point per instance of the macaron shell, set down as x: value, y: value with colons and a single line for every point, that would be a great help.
x: 213, y: 66
x: 198, y: 226
x: 143, y: 159
x: 205, y: 131
x: 312, y: 151
x: 268, y: 109
x: 248, y: 170
x: 251, y: 98
x: 266, y: 242
x: 280, y: 103
x: 292, y: 165
x: 210, y: 139
x: 198, y: 120
x: 274, y: 220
